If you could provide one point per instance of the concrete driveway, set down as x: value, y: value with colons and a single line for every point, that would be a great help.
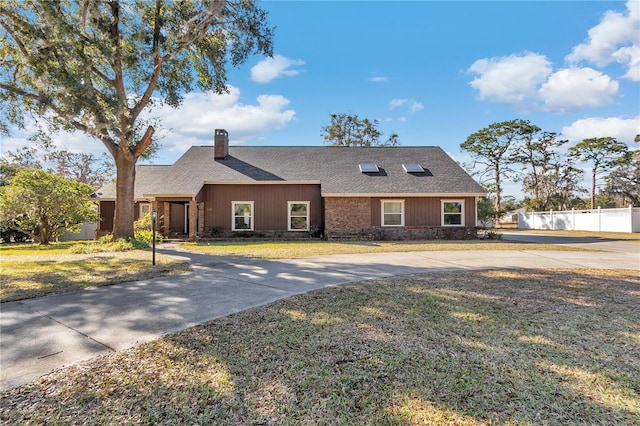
x: 593, y: 242
x: 41, y: 335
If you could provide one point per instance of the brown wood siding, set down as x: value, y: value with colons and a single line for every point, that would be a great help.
x: 177, y: 217
x: 270, y: 204
x: 107, y: 211
x: 470, y: 211
x: 423, y: 211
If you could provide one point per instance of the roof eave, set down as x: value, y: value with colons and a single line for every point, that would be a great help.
x: 262, y: 182
x: 405, y: 194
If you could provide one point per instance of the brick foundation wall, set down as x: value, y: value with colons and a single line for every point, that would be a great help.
x: 378, y: 233
x: 347, y: 216
x: 427, y: 233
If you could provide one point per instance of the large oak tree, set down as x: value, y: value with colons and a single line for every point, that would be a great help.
x: 95, y: 66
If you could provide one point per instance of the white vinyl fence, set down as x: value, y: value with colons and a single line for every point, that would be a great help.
x: 600, y: 220
x: 86, y: 232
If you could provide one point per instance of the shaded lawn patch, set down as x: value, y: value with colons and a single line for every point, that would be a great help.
x: 301, y: 249
x: 483, y: 347
x: 28, y: 271
x: 16, y: 249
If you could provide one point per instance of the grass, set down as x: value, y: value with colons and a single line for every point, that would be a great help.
x: 30, y: 270
x: 301, y: 249
x: 471, y: 348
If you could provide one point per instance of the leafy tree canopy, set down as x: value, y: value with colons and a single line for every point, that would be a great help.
x: 43, y: 205
x: 603, y: 154
x: 492, y: 150
x: 84, y: 168
x: 95, y: 66
x: 625, y: 179
x: 350, y: 130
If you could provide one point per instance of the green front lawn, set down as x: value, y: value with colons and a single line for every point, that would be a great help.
x: 31, y: 270
x: 309, y: 248
x: 470, y: 348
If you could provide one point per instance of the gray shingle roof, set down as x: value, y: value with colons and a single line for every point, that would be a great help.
x: 335, y: 168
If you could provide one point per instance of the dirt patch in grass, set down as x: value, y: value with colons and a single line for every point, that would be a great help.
x: 27, y: 272
x: 483, y: 347
x: 301, y: 249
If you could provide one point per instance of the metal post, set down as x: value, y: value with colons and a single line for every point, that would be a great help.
x: 154, y: 216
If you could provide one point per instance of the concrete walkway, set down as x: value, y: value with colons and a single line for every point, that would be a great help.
x: 38, y: 336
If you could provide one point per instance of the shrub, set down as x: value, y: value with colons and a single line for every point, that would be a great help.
x: 143, y: 223
x: 102, y: 245
x: 214, y: 231
x: 9, y: 235
x: 315, y: 231
x: 106, y: 244
x: 143, y: 232
x: 490, y: 234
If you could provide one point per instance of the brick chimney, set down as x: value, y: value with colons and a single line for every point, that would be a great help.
x: 221, y: 148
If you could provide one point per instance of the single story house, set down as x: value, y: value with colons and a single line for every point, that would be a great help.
x: 339, y: 192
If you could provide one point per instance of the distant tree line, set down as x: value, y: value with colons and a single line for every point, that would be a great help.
x: 351, y: 130
x: 520, y: 151
x: 82, y: 167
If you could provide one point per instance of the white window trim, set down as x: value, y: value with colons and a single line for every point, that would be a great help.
x: 442, y: 214
x: 382, y: 203
x: 233, y: 216
x: 289, y: 204
x: 141, y: 205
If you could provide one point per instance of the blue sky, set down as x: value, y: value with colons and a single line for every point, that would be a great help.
x: 432, y: 72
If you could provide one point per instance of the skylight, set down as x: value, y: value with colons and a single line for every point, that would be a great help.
x: 413, y: 168
x: 368, y: 168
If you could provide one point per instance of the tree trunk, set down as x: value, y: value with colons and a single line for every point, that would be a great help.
x: 593, y: 189
x: 498, y: 200
x: 44, y: 231
x: 125, y: 204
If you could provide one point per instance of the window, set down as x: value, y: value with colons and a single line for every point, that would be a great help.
x: 452, y: 213
x: 242, y: 212
x: 145, y: 208
x: 392, y: 212
x: 368, y: 168
x: 298, y: 215
x: 412, y: 168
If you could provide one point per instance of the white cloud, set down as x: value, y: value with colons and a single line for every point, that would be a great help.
x: 76, y: 142
x: 416, y: 106
x: 201, y: 113
x: 395, y: 103
x: 413, y: 105
x: 631, y: 55
x: 193, y: 123
x: 573, y: 89
x: 511, y: 79
x: 615, y: 38
x: 272, y: 68
x: 527, y: 82
x: 379, y: 79
x: 623, y: 129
